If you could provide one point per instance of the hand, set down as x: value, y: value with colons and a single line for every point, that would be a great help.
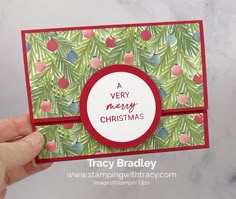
x: 18, y: 148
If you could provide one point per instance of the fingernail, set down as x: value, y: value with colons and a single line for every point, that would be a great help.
x: 34, y: 139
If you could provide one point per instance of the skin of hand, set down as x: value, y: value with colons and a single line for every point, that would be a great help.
x: 18, y: 148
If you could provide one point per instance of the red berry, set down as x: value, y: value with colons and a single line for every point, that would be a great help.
x: 63, y: 83
x: 129, y: 58
x: 145, y: 35
x: 176, y: 70
x: 40, y: 66
x: 199, y: 118
x: 197, y: 78
x: 46, y: 106
x: 95, y: 62
x: 68, y: 125
x: 51, y: 146
x: 111, y: 42
x: 182, y: 99
x: 88, y: 33
x: 183, y: 138
x: 52, y: 45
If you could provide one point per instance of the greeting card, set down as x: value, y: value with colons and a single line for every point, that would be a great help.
x: 117, y: 89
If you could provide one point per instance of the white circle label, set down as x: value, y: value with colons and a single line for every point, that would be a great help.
x: 121, y: 106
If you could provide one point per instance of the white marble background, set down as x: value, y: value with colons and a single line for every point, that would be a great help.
x: 201, y: 174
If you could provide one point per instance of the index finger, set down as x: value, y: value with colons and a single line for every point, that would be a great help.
x: 14, y: 127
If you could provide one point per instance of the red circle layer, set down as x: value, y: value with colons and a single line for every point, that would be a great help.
x: 84, y: 98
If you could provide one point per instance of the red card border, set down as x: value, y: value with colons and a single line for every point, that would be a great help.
x: 179, y: 111
x: 77, y: 118
x: 205, y: 145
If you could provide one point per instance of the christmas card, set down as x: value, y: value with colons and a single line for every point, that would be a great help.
x: 112, y: 90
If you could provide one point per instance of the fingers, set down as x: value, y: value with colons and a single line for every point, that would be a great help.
x: 14, y: 127
x: 20, y: 173
x: 3, y: 186
x: 3, y: 189
x: 3, y: 194
x: 22, y: 151
x: 2, y: 173
x: 32, y: 167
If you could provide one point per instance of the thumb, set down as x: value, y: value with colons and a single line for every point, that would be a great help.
x: 19, y: 153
